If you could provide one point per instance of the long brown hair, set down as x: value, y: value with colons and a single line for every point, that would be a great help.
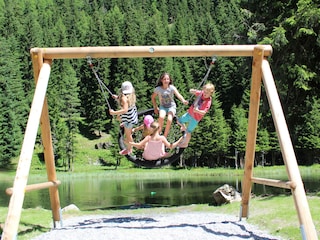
x: 159, y: 83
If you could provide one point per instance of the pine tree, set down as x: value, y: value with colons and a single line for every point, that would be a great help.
x: 239, y: 126
x: 55, y: 23
x: 309, y: 133
x: 156, y: 29
x: 293, y: 35
x: 94, y: 105
x: 12, y: 103
x: 64, y: 111
x: 132, y: 69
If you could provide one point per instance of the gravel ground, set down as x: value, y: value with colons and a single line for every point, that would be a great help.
x: 180, y: 225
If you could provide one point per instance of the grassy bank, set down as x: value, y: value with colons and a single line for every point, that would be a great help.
x: 275, y: 214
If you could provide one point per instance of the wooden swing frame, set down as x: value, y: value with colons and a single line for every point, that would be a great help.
x: 261, y: 72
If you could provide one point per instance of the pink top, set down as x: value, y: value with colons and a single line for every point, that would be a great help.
x: 154, y: 150
x: 201, y: 103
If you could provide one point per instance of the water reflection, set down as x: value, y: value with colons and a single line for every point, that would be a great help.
x: 100, y: 192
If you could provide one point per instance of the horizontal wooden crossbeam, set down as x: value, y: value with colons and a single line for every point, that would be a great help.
x: 36, y: 186
x: 150, y: 51
x: 274, y: 183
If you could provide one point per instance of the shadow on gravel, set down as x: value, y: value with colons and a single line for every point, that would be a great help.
x: 223, y: 229
x: 93, y: 222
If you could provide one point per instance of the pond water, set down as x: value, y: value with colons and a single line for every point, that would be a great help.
x: 93, y: 192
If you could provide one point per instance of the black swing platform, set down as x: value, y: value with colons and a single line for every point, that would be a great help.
x: 139, y: 161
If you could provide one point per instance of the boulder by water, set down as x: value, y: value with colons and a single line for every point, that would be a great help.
x: 71, y: 207
x: 225, y: 194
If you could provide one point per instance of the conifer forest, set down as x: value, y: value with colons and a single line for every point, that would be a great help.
x: 77, y: 106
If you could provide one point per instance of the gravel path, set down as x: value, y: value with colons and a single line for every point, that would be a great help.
x: 167, y: 226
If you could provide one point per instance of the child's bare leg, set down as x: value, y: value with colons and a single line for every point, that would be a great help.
x: 182, y: 126
x: 128, y: 135
x: 186, y: 141
x: 162, y: 115
x: 168, y: 125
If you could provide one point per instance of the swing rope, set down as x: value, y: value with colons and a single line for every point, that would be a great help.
x: 101, y: 84
x: 213, y: 60
x: 205, y: 78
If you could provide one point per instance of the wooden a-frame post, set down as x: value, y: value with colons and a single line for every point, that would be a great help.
x: 37, y: 61
x: 39, y: 110
x: 255, y: 93
x: 42, y: 59
x: 261, y: 70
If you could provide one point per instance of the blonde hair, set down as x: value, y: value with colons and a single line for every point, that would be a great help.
x: 210, y: 87
x: 155, y: 127
x: 146, y: 131
x: 131, y: 98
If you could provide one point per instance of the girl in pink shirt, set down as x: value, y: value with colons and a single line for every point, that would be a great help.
x: 154, y: 144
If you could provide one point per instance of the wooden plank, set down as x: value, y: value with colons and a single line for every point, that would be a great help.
x: 151, y: 51
x: 307, y: 227
x: 252, y: 128
x: 36, y: 186
x: 22, y: 173
x: 274, y: 183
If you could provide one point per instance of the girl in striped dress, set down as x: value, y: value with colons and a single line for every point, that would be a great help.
x: 128, y: 113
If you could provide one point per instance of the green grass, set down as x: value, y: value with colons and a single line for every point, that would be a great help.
x: 86, y: 154
x: 277, y: 214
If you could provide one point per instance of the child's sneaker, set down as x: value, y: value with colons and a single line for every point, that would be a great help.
x: 124, y: 152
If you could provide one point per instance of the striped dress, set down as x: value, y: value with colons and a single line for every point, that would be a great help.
x: 131, y: 116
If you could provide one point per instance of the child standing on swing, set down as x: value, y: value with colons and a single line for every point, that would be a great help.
x: 196, y: 112
x: 128, y: 113
x: 165, y: 91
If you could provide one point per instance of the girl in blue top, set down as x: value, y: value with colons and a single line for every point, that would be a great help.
x: 166, y: 91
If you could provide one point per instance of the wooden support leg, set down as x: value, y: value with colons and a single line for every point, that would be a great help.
x: 22, y: 173
x: 252, y: 128
x: 49, y: 160
x: 307, y: 227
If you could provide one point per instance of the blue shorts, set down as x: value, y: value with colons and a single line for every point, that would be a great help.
x: 128, y: 125
x: 191, y: 122
x: 172, y: 109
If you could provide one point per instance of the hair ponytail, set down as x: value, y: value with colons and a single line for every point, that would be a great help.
x: 155, y: 127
